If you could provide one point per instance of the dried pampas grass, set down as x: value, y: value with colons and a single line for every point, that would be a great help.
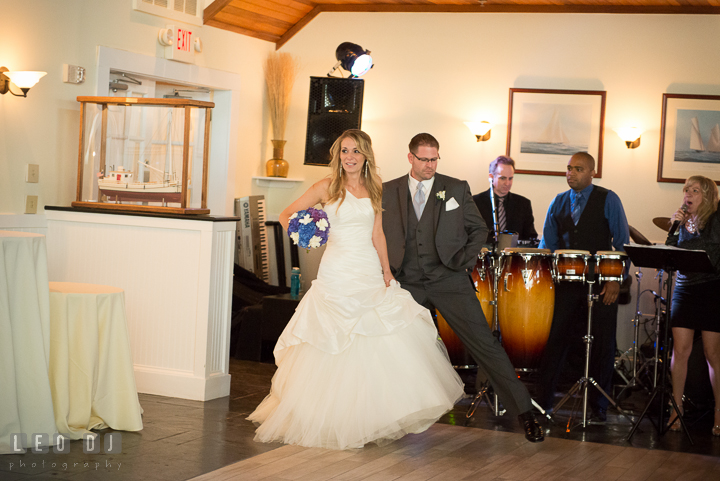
x: 280, y: 72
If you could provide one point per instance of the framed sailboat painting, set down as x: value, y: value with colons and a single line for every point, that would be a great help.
x: 546, y: 127
x: 689, y: 137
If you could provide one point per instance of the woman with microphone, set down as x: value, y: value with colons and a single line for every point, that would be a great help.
x: 696, y: 299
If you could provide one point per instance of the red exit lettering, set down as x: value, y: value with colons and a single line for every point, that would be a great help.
x: 183, y: 39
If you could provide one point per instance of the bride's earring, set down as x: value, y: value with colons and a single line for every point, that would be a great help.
x: 366, y: 168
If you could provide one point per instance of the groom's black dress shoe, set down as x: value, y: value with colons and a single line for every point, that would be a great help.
x: 533, y: 430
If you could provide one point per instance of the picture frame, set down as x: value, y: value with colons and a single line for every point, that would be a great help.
x: 546, y: 127
x: 689, y: 138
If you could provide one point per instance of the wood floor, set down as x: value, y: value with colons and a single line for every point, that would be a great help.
x: 447, y: 452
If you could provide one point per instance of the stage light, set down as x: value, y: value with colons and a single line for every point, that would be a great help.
x: 353, y: 58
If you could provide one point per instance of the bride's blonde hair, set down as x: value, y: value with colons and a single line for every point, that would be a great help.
x: 369, y: 177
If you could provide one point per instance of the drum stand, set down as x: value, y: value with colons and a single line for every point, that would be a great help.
x: 635, y: 380
x: 586, y: 381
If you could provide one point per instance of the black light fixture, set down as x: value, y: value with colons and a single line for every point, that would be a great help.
x: 25, y: 80
x: 353, y: 58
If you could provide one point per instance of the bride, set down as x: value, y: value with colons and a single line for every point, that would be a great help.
x: 360, y: 361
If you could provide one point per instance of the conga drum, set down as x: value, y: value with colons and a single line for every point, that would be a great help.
x: 526, y: 302
x: 459, y: 357
x: 571, y: 265
x: 610, y: 265
x: 482, y: 277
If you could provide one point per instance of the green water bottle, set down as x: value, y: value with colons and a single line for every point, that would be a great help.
x: 295, y: 283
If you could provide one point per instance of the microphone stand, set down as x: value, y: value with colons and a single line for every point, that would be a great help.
x: 494, y: 214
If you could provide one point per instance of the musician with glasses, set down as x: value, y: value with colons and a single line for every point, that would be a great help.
x: 514, y: 212
x: 434, y: 233
x: 590, y: 218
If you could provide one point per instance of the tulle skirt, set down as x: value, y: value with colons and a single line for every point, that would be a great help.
x: 376, y: 390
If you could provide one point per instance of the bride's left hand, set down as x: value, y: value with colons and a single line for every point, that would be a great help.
x: 388, y: 277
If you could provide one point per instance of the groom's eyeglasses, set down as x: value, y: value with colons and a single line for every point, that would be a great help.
x: 423, y: 159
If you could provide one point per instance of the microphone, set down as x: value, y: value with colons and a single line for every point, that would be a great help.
x: 676, y: 224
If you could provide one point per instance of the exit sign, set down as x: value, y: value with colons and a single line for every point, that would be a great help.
x: 182, y: 48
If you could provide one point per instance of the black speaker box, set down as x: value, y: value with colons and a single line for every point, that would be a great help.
x: 335, y: 106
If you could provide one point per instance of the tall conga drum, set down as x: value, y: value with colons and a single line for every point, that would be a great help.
x: 460, y: 358
x: 482, y: 276
x: 526, y: 302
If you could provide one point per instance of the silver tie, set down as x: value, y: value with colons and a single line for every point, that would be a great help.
x: 501, y: 214
x: 419, y: 200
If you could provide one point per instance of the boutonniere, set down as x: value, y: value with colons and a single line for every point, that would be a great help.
x: 441, y: 195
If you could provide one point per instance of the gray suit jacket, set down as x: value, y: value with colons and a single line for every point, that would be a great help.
x: 459, y: 233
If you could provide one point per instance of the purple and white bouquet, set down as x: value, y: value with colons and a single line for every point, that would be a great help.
x: 309, y: 228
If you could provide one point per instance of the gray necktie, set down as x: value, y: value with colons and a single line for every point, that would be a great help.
x: 501, y: 214
x: 419, y: 200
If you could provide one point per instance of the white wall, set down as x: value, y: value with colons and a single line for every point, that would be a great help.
x: 434, y: 71
x: 43, y: 128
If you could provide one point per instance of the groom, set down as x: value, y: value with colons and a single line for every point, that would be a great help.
x: 434, y: 234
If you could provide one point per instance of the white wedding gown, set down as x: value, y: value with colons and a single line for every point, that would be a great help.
x: 358, y: 362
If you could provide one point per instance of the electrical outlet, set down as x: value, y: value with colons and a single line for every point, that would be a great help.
x: 31, y: 202
x: 72, y: 74
x: 33, y: 173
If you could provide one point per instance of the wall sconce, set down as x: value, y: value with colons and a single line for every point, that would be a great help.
x: 481, y: 130
x: 631, y: 136
x: 23, y: 79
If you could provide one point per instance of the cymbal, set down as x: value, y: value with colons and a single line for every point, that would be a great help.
x: 663, y: 222
x: 638, y: 238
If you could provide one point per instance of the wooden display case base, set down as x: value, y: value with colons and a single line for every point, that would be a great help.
x: 140, y: 208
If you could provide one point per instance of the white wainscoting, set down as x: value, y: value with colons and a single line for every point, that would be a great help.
x: 177, y: 277
x: 35, y: 223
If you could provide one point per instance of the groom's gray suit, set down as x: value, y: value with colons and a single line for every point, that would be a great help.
x: 430, y: 257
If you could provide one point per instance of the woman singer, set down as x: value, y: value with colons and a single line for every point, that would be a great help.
x: 696, y: 300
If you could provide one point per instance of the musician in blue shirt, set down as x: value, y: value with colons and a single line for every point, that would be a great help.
x: 590, y: 218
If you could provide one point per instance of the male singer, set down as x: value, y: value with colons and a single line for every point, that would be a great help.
x: 586, y: 217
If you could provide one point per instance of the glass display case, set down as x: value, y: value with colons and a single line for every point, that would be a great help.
x: 143, y: 154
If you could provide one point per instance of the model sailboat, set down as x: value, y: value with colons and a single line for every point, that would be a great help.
x: 122, y: 184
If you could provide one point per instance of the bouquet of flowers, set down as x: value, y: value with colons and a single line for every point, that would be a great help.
x: 309, y: 228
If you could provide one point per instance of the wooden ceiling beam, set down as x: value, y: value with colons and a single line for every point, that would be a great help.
x: 213, y: 9
x: 298, y: 26
x: 517, y: 8
x: 244, y: 31
x: 246, y: 16
x: 253, y: 22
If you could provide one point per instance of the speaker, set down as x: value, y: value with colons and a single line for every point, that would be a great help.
x: 335, y: 106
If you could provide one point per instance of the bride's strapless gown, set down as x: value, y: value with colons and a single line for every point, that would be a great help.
x: 358, y: 362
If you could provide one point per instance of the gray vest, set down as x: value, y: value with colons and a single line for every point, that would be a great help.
x: 421, y: 262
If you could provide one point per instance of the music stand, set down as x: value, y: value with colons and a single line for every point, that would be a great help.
x: 669, y: 259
